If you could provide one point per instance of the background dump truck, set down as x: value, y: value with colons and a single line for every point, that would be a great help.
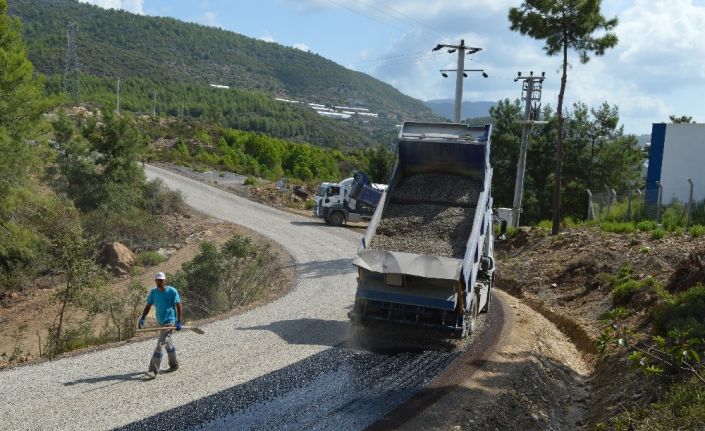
x: 427, y: 256
x: 353, y: 199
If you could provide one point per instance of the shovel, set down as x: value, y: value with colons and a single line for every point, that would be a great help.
x: 195, y: 329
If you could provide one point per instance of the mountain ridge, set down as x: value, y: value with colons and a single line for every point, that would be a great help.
x: 114, y: 43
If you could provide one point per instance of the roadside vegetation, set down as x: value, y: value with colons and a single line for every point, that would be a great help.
x: 667, y: 344
x: 220, y: 279
x: 201, y: 146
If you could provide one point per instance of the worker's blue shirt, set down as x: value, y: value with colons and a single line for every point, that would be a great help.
x: 165, y: 302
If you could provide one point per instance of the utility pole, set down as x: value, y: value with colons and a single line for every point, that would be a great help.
x: 118, y: 96
x: 154, y: 104
x: 531, y: 94
x: 72, y: 83
x: 461, y: 72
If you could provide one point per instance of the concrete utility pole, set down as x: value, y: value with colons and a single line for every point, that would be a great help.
x: 154, y: 104
x: 460, y: 71
x: 531, y: 94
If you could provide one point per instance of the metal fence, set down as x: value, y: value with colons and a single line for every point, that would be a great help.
x: 632, y: 204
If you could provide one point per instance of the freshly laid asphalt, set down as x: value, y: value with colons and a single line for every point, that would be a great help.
x: 294, y: 363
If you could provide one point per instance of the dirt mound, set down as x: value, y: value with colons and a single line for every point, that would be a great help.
x: 688, y: 273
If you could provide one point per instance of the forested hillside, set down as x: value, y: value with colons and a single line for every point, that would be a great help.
x: 113, y: 43
x: 232, y: 108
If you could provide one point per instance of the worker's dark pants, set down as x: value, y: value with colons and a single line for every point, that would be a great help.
x: 164, y: 340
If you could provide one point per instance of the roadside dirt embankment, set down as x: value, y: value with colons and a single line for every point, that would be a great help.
x: 566, y: 278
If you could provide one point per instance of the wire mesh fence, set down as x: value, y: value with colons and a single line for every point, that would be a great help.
x: 633, y: 204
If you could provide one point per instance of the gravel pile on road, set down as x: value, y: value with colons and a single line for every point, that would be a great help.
x: 450, y: 189
x: 410, y: 226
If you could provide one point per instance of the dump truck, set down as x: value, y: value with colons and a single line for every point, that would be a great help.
x: 352, y: 200
x: 427, y: 257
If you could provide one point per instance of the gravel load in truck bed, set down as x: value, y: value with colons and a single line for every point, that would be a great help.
x: 429, y: 214
x: 438, y: 188
x: 438, y: 230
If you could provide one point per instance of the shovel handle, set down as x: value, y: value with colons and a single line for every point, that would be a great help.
x: 163, y: 328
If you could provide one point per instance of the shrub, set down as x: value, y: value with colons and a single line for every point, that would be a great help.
x: 149, y: 258
x: 251, y: 181
x: 568, y: 222
x: 545, y: 224
x: 239, y: 246
x: 617, y: 227
x: 674, y: 216
x: 217, y: 280
x: 697, y: 231
x: 623, y: 292
x: 682, y: 408
x: 684, y: 312
x: 159, y: 199
x: 199, y: 280
x: 646, y: 225
x: 658, y: 233
x: 309, y: 203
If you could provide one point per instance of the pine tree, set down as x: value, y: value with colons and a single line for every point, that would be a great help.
x: 564, y: 25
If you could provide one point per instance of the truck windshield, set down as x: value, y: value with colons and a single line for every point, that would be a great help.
x: 322, y: 191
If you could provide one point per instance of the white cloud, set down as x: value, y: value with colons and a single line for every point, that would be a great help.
x: 301, y: 46
x: 267, y: 38
x: 134, y: 6
x: 210, y: 19
x: 661, y: 44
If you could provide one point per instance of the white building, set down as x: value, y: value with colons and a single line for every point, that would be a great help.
x: 677, y: 153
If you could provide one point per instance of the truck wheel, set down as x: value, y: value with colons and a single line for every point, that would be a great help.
x: 488, y: 304
x: 336, y: 218
x: 470, y: 319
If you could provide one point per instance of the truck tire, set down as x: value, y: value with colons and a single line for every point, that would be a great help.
x: 336, y: 218
x: 488, y: 304
x: 470, y: 319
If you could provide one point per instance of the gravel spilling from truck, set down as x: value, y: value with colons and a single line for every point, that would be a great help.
x: 439, y: 228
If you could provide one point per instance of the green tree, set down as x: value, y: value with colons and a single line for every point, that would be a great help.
x: 73, y: 258
x: 21, y: 106
x: 380, y: 164
x: 564, y: 25
x: 683, y: 119
x: 75, y: 160
x: 506, y: 140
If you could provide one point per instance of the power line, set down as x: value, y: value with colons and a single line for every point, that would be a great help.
x: 376, y: 19
x: 383, y: 61
x: 406, y: 18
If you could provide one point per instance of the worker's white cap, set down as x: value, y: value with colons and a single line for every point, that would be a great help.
x: 160, y: 276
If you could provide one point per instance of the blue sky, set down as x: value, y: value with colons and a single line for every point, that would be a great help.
x: 657, y: 69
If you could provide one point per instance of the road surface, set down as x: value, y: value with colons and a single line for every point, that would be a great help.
x: 290, y: 364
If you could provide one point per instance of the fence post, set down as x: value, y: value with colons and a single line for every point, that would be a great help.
x: 591, y: 208
x: 609, y: 201
x: 660, y: 200
x: 690, y: 204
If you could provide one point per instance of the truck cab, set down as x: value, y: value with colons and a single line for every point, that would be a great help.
x: 353, y: 199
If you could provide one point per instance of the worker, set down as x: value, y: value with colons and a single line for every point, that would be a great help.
x: 168, y: 313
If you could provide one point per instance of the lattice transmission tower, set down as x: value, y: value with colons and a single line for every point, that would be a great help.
x: 72, y: 83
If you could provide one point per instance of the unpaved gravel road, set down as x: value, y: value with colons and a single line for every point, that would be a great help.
x: 286, y: 365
